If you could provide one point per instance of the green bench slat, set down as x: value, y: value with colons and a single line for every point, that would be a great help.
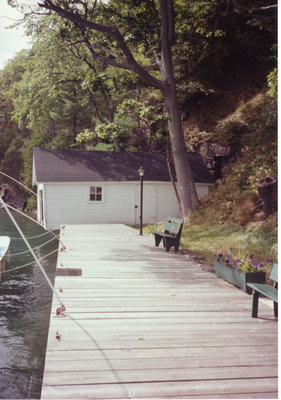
x: 171, y: 234
x: 266, y: 290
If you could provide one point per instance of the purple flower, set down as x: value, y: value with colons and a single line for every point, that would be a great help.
x: 247, y: 263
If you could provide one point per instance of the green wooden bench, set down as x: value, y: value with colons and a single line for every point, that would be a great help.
x: 171, y: 235
x: 266, y: 290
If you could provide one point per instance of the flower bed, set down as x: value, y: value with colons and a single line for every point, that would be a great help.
x: 239, y: 267
x: 237, y: 277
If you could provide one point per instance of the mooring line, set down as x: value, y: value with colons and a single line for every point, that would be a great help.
x: 31, y: 191
x: 62, y: 307
x: 31, y: 251
x: 18, y: 182
x: 33, y: 220
x: 34, y: 248
x: 31, y: 237
x: 30, y: 263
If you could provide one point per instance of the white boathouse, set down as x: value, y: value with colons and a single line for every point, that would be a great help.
x: 85, y: 186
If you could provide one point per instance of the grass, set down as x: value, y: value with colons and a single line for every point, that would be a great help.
x: 231, y: 215
x: 201, y: 240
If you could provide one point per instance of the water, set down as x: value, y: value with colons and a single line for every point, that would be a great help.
x: 25, y: 303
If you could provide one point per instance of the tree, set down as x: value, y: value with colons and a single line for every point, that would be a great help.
x: 59, y: 62
x: 118, y: 49
x: 133, y: 118
x: 11, y: 136
x: 49, y: 98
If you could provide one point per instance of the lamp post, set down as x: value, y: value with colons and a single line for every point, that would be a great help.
x: 141, y: 174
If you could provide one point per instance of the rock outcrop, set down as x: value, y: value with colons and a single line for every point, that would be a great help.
x: 10, y: 199
x: 217, y: 157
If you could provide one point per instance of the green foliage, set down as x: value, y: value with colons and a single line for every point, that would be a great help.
x: 32, y: 203
x: 63, y: 140
x: 254, y: 121
x: 62, y: 87
x: 86, y: 135
x: 112, y: 129
x: 136, y: 109
x: 202, y: 240
x: 139, y: 19
x: 36, y: 140
x: 12, y: 163
x: 197, y: 139
x: 102, y: 147
x: 233, y: 198
x: 131, y: 115
x: 215, y: 36
x: 266, y: 233
x: 272, y: 80
x: 230, y: 133
x: 48, y: 97
x: 242, y: 259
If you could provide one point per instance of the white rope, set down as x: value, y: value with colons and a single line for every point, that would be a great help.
x: 34, y: 248
x: 33, y: 220
x: 15, y: 180
x: 31, y: 191
x: 43, y: 271
x: 31, y: 237
x: 25, y: 265
x: 31, y: 250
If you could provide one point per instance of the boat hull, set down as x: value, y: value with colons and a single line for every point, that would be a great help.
x: 4, y: 248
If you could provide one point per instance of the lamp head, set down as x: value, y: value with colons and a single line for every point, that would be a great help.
x: 141, y: 171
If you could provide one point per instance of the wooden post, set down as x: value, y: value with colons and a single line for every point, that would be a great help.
x: 141, y: 174
x: 267, y: 188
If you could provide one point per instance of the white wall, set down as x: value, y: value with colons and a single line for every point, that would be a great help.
x: 202, y: 189
x: 68, y: 203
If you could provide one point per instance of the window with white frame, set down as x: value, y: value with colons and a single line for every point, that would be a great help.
x: 96, y: 193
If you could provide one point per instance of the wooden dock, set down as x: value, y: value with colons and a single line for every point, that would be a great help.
x: 143, y: 323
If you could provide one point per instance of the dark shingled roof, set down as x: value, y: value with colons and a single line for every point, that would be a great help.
x: 55, y: 165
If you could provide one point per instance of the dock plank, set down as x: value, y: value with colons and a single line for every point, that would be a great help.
x: 163, y: 389
x: 142, y: 323
x: 150, y: 374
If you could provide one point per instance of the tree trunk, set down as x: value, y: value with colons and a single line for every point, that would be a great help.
x: 116, y: 144
x: 173, y: 182
x: 186, y: 187
x: 74, y: 127
x: 167, y: 85
x: 74, y: 116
